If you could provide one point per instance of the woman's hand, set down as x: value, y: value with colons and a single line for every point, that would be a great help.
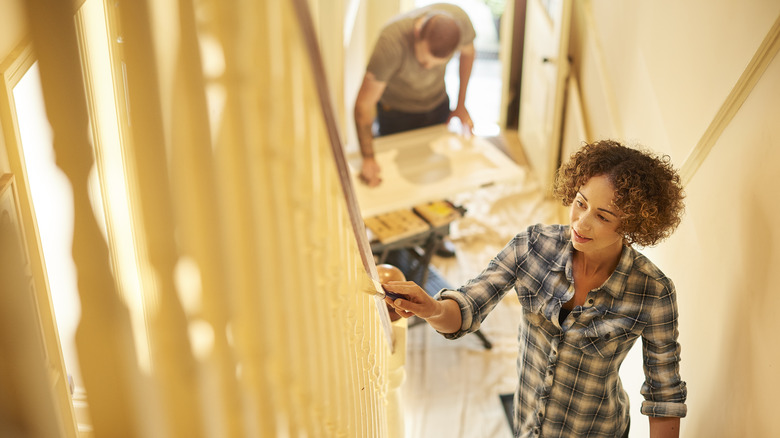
x: 413, y: 300
x: 443, y: 315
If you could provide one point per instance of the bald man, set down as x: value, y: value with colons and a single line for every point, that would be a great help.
x: 403, y: 87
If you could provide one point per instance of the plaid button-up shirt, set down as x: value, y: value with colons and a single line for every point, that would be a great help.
x: 569, y: 383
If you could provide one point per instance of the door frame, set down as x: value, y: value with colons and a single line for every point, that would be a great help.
x: 542, y: 141
x: 13, y: 69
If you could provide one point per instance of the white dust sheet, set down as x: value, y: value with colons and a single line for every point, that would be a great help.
x: 452, y: 388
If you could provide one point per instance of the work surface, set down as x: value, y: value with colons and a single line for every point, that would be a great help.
x: 429, y: 164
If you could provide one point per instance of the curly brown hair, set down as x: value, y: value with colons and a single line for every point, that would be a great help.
x: 648, y: 190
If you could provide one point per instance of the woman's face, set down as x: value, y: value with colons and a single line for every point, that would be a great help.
x: 595, y: 218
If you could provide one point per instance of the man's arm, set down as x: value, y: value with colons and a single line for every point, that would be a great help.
x: 370, y: 92
x: 467, y: 55
x: 664, y: 427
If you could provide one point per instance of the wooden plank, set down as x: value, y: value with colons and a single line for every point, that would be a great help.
x: 437, y: 213
x: 396, y: 225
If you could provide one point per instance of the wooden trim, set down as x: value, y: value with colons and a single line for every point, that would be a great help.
x: 12, y: 70
x: 744, y: 86
x: 77, y: 4
x: 17, y: 63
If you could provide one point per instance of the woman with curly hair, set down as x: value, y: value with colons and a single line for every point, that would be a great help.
x: 587, y: 295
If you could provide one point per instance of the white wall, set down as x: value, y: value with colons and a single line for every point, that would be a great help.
x: 12, y: 25
x: 673, y: 63
x: 723, y: 260
x: 657, y: 73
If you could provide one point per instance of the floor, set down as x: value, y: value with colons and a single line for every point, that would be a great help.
x: 453, y: 388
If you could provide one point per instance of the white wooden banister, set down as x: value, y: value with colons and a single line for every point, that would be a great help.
x: 196, y: 192
x: 253, y: 256
x: 103, y: 338
x: 175, y: 371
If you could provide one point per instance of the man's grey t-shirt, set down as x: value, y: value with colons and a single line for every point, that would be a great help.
x: 410, y: 87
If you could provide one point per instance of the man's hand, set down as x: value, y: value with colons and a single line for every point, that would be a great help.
x: 370, y: 171
x: 467, y: 125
